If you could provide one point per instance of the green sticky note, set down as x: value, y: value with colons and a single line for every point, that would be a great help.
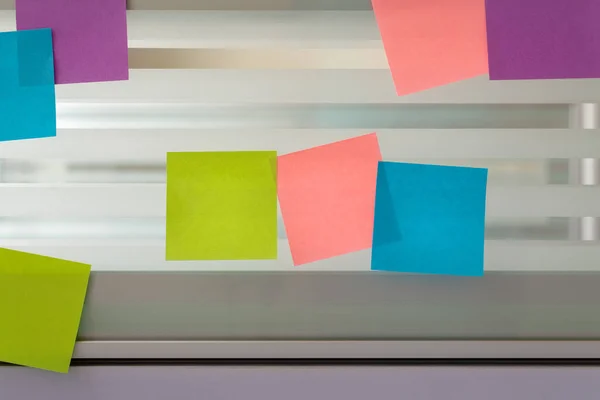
x: 222, y: 205
x: 41, y: 300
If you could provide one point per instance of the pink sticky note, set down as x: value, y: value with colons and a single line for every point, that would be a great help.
x: 431, y: 43
x: 89, y: 37
x: 327, y: 198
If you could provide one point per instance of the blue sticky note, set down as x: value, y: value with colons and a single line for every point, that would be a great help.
x: 429, y: 219
x: 27, y: 94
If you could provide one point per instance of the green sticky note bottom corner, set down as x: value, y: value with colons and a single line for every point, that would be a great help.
x: 41, y: 301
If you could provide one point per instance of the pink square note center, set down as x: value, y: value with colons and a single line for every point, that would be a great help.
x: 327, y: 198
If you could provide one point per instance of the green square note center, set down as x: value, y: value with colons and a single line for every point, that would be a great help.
x: 222, y: 205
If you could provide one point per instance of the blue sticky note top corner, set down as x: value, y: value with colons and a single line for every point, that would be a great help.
x: 35, y: 57
x: 429, y: 219
x: 27, y: 93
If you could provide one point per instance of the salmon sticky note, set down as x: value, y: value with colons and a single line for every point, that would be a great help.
x: 89, y: 37
x: 430, y: 43
x: 542, y: 39
x: 222, y: 205
x: 41, y: 300
x: 327, y: 196
x: 429, y: 219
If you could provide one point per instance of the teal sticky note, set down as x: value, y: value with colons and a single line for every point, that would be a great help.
x: 27, y: 94
x: 429, y: 219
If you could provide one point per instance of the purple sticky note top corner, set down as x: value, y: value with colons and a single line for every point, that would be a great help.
x: 89, y: 37
x: 540, y: 39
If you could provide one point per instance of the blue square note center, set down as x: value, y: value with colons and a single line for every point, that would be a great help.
x: 429, y: 219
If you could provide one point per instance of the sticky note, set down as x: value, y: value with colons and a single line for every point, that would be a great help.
x: 542, y: 39
x: 90, y: 36
x: 27, y: 95
x: 430, y: 43
x: 327, y: 195
x: 41, y: 300
x: 429, y: 219
x: 222, y: 205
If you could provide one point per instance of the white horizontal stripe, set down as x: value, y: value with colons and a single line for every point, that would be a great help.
x: 317, y: 86
x: 543, y: 201
x: 89, y: 231
x: 148, y: 200
x: 260, y: 117
x: 534, y: 256
x: 152, y: 145
x: 82, y: 200
x: 216, y: 29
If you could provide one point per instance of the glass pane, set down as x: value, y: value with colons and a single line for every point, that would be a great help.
x: 287, y: 75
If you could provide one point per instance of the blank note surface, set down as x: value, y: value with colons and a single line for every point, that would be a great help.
x: 41, y: 300
x: 429, y: 219
x: 431, y: 43
x: 222, y: 205
x: 27, y: 95
x: 543, y: 39
x: 90, y: 36
x: 327, y: 195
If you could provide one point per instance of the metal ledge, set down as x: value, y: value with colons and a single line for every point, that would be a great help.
x: 338, y: 350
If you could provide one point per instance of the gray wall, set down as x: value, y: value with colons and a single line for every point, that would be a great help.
x: 302, y: 383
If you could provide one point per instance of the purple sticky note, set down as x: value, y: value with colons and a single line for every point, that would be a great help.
x: 543, y: 39
x: 89, y: 37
